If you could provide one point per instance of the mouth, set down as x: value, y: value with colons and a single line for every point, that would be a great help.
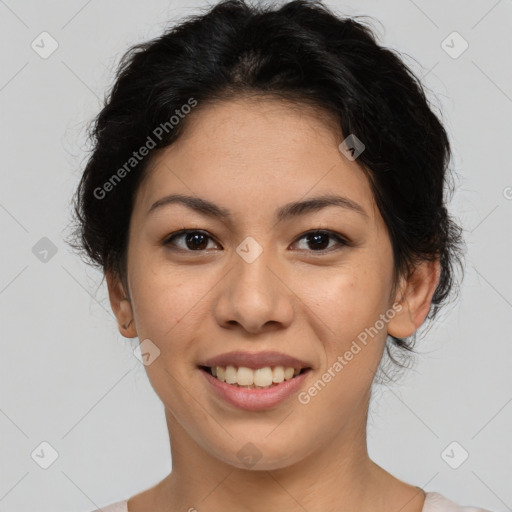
x: 254, y: 378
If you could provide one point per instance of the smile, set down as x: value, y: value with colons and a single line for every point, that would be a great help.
x: 249, y: 378
x: 262, y: 394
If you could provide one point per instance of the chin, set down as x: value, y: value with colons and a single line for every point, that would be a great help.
x: 261, y: 455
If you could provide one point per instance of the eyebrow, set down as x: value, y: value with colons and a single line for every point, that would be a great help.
x: 294, y: 209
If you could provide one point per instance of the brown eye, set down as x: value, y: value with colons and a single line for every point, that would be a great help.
x: 193, y: 240
x: 318, y: 241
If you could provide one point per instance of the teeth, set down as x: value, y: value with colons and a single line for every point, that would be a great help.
x: 263, y: 377
x: 278, y: 374
x: 245, y: 376
x: 230, y: 374
x: 259, y: 378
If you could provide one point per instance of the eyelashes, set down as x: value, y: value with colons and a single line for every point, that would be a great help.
x: 196, y: 240
x: 317, y: 235
x: 170, y: 240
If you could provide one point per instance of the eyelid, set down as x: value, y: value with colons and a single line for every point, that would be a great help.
x: 167, y: 240
x: 340, y: 239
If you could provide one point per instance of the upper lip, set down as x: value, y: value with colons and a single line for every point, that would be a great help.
x: 255, y: 360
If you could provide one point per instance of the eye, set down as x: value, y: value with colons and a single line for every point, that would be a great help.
x: 194, y: 240
x: 319, y: 239
x: 197, y: 240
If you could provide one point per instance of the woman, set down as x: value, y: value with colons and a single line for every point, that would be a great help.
x: 266, y: 200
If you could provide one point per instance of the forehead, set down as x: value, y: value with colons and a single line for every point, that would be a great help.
x: 264, y: 127
x: 256, y: 150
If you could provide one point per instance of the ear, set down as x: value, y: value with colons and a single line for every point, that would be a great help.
x: 415, y: 297
x: 121, y: 305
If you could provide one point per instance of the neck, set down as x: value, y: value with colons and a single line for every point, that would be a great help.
x: 339, y: 476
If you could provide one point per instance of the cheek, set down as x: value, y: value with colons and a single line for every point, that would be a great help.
x: 346, y: 299
x: 167, y: 307
x: 166, y: 298
x: 351, y: 303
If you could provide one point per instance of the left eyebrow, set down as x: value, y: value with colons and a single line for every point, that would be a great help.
x: 294, y: 209
x: 314, y: 204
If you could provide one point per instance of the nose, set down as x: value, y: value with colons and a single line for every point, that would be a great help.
x: 254, y: 297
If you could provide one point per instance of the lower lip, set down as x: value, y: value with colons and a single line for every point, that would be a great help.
x: 255, y: 399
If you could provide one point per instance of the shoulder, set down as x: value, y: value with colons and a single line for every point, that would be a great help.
x: 119, y: 506
x: 435, y: 502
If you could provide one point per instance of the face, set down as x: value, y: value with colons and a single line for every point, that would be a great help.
x: 259, y: 279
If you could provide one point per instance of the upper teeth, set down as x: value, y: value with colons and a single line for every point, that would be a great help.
x: 261, y: 377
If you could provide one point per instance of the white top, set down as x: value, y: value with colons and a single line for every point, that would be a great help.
x: 434, y: 502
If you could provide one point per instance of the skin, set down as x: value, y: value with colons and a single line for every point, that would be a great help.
x: 252, y: 156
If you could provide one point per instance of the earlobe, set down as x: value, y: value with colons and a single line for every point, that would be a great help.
x: 415, y: 297
x: 121, y: 305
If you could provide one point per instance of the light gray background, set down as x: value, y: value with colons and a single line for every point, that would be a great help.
x: 68, y: 377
